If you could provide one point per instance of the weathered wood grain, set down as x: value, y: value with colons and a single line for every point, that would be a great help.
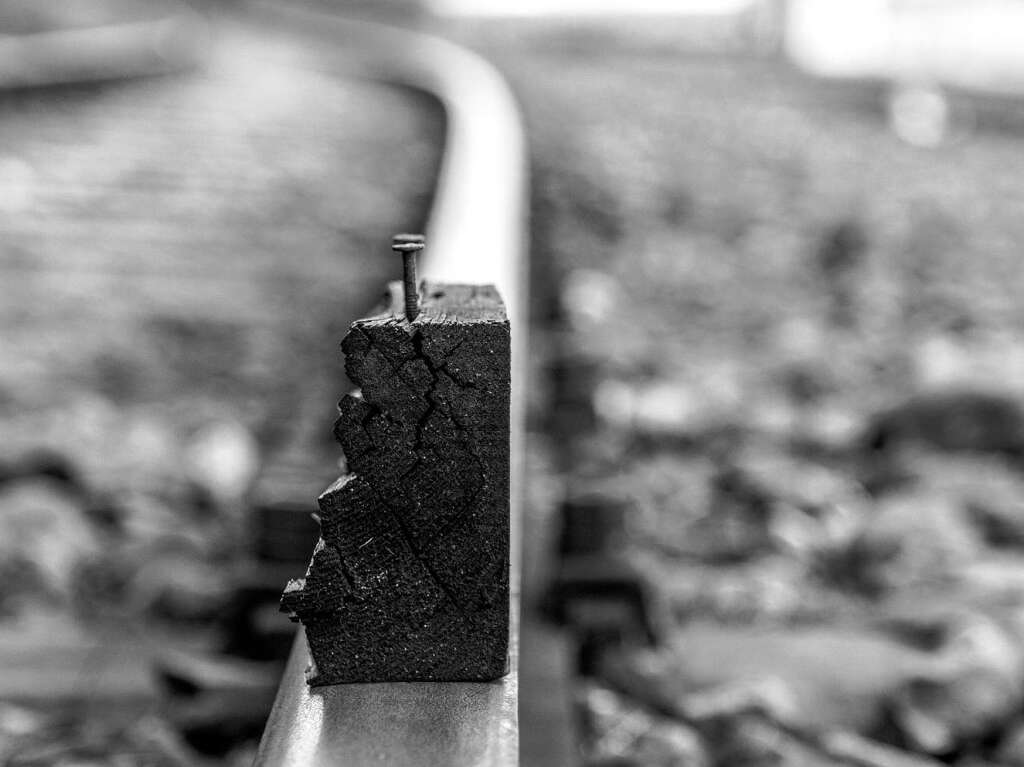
x: 409, y: 580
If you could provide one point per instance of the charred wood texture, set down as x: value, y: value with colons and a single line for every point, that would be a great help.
x: 409, y: 581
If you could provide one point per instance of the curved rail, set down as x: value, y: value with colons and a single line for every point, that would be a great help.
x: 474, y: 234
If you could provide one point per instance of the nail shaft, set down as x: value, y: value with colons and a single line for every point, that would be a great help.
x: 408, y: 245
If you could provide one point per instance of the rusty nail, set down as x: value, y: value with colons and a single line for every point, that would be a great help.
x: 408, y: 245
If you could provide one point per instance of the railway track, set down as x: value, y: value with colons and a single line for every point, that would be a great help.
x: 476, y: 233
x: 85, y: 193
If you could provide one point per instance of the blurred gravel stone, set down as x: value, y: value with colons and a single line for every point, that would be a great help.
x: 46, y: 539
x: 937, y: 717
x: 990, y: 489
x: 222, y: 458
x: 850, y: 748
x: 823, y: 694
x: 180, y: 588
x: 912, y: 539
x: 1010, y: 750
x: 615, y: 731
x: 973, y: 690
x: 19, y: 721
x: 977, y: 420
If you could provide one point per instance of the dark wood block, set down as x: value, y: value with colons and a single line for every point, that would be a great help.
x: 409, y: 580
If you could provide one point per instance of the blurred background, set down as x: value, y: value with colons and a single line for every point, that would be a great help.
x: 775, y: 502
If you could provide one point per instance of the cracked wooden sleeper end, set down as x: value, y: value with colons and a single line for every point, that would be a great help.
x: 409, y: 581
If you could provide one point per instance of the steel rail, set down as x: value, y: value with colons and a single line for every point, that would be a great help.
x: 112, y: 51
x: 475, y: 234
